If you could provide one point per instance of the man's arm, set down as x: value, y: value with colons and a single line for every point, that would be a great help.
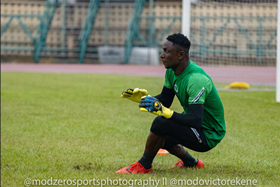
x: 198, y: 88
x: 193, y: 119
x: 166, y: 96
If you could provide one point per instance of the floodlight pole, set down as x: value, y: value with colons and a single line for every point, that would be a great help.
x: 278, y: 56
x: 186, y: 17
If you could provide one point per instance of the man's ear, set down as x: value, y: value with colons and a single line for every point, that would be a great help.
x: 182, y: 54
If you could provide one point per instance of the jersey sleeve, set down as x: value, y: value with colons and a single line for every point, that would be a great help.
x: 167, y: 83
x: 198, y: 88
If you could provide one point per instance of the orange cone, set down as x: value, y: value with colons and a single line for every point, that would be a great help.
x: 162, y: 152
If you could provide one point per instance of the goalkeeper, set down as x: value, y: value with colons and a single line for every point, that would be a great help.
x: 200, y: 127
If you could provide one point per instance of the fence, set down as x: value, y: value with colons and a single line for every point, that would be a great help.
x: 224, y: 32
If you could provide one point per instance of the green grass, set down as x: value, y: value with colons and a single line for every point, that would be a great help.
x: 76, y: 126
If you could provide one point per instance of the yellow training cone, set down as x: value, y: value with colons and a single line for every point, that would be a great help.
x: 238, y: 85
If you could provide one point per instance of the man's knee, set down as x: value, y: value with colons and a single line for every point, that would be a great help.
x: 159, y: 126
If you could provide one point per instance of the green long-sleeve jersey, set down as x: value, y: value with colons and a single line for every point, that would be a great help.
x: 194, y: 86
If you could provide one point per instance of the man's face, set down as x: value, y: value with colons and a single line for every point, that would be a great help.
x: 170, y: 55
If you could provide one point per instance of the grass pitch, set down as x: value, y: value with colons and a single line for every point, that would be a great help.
x: 76, y: 126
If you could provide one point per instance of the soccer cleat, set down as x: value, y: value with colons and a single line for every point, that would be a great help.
x: 199, y: 164
x: 180, y: 164
x: 134, y: 169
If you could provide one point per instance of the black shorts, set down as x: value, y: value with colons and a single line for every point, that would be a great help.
x: 174, y: 134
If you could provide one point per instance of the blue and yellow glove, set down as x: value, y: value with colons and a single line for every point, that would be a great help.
x: 153, y: 105
x: 134, y: 94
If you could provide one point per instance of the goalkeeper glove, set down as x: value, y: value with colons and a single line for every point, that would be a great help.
x: 134, y: 94
x: 153, y: 105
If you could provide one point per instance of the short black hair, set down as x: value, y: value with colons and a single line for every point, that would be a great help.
x: 180, y: 40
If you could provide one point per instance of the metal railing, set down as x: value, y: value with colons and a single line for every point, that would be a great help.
x: 204, y: 36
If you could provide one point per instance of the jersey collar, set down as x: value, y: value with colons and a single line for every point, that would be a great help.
x: 185, y: 72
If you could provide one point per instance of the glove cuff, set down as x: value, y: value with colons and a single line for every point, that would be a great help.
x: 167, y: 113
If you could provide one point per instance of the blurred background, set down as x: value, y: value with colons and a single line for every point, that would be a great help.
x: 222, y: 32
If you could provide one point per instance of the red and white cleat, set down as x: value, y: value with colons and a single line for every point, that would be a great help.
x: 134, y: 169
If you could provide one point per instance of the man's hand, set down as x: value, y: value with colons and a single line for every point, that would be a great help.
x: 153, y: 105
x: 134, y: 94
